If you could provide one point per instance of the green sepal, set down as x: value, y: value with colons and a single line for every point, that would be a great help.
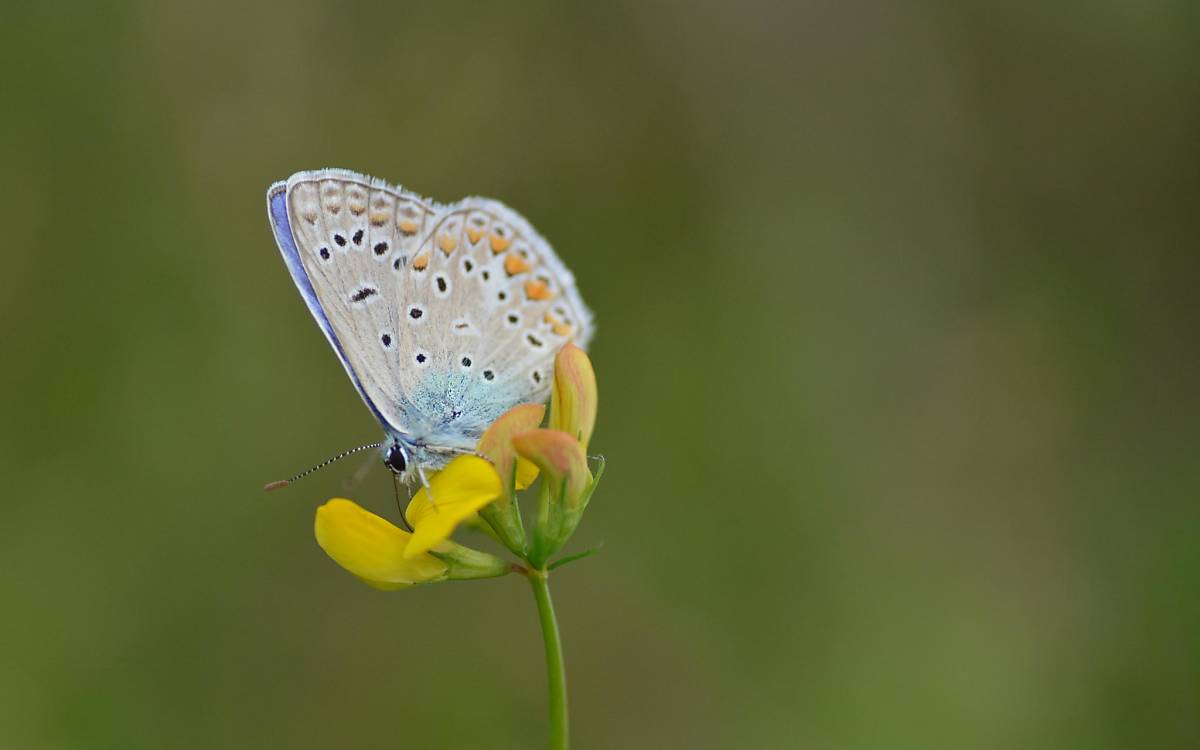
x: 557, y: 520
x: 465, y: 563
x: 504, y: 517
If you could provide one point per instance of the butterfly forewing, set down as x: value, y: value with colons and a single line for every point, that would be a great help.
x: 331, y: 221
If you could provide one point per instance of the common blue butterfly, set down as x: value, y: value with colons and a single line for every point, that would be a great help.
x: 444, y: 316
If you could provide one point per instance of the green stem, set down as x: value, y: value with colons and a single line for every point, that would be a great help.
x: 555, y: 671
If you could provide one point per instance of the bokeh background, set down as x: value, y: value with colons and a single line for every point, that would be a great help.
x: 897, y: 355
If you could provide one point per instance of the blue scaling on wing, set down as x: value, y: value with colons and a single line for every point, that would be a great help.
x: 277, y: 212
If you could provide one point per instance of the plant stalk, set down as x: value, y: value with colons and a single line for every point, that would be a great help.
x: 556, y: 673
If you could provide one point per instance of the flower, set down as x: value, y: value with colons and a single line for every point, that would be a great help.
x: 388, y: 557
x: 516, y: 473
x: 372, y: 548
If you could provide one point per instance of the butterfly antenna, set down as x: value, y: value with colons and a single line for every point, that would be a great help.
x: 285, y: 482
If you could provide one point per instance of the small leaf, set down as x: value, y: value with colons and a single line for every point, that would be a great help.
x: 572, y: 558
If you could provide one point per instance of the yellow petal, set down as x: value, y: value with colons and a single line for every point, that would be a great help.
x: 561, y: 457
x: 527, y: 473
x: 496, y: 443
x: 372, y: 548
x: 466, y: 484
x: 574, y: 398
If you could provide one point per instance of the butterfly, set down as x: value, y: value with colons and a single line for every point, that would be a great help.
x: 443, y: 316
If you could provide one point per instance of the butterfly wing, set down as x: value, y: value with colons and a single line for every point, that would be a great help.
x: 443, y: 316
x: 341, y: 235
x: 486, y: 306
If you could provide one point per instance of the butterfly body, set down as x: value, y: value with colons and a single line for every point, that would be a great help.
x: 444, y: 316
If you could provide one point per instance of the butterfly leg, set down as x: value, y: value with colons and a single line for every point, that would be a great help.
x: 426, y: 485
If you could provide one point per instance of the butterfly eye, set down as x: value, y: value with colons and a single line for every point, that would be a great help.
x: 395, y: 459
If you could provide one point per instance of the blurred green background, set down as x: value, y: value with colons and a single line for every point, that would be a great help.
x: 897, y: 358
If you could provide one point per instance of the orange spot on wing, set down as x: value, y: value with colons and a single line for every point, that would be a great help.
x: 421, y: 262
x: 557, y: 326
x: 515, y: 264
x: 447, y: 243
x: 408, y: 227
x: 499, y: 244
x: 474, y: 234
x: 378, y: 218
x: 537, y: 290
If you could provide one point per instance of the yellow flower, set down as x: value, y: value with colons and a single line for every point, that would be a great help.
x: 387, y: 557
x: 372, y: 548
x: 467, y: 484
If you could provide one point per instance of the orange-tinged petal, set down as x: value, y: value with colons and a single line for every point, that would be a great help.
x: 561, y: 458
x: 497, y: 445
x: 372, y: 548
x: 467, y: 484
x: 573, y: 401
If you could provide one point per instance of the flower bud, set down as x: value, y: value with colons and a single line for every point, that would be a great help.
x: 504, y: 515
x: 565, y: 484
x: 574, y: 398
